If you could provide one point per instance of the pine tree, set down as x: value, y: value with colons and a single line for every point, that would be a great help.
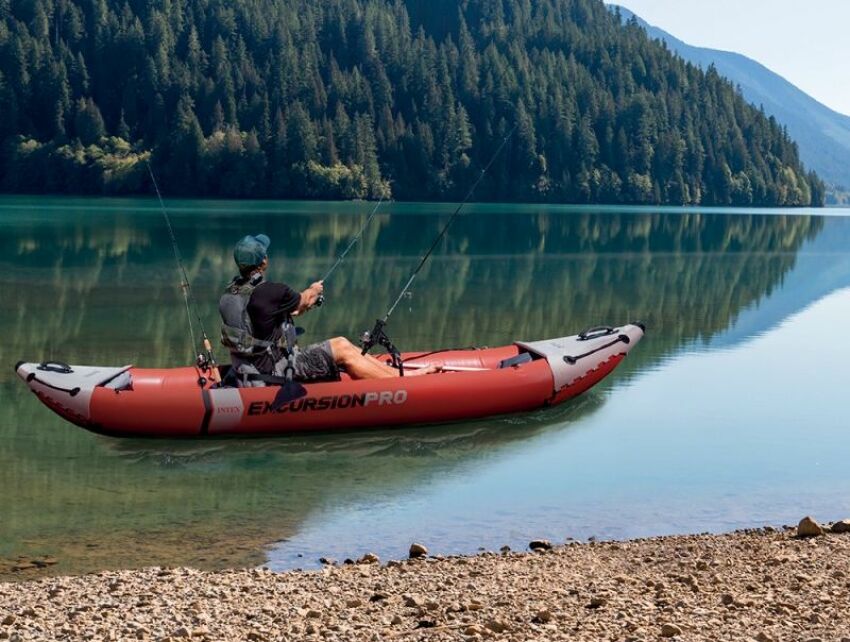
x: 342, y: 98
x: 88, y: 123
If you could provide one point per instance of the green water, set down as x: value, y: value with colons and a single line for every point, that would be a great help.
x: 728, y: 413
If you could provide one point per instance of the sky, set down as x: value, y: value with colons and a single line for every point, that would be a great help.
x: 805, y: 41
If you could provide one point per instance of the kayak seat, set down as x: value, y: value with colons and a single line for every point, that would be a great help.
x: 522, y: 357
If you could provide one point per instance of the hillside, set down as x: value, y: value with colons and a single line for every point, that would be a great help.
x: 823, y: 135
x: 362, y: 98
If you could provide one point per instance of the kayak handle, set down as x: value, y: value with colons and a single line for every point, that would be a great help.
x: 54, y: 366
x: 595, y: 332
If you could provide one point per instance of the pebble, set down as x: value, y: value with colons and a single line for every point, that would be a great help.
x: 639, y: 590
x: 497, y: 626
x: 540, y: 545
x: 842, y: 526
x: 417, y: 550
x: 544, y: 616
x: 670, y: 630
x: 808, y: 527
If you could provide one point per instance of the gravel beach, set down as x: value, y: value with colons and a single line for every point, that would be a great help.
x: 759, y: 584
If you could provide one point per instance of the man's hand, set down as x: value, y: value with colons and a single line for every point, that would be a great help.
x: 309, y: 297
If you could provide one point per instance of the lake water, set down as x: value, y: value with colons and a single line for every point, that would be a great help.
x: 730, y: 413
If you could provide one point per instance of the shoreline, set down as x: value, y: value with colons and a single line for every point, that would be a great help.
x: 174, y: 202
x: 762, y: 584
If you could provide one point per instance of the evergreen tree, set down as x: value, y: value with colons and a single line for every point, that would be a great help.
x: 343, y: 98
x: 88, y: 123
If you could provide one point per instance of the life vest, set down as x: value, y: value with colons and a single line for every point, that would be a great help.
x: 237, y: 333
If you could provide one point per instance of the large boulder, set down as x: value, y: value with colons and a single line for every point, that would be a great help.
x: 808, y: 527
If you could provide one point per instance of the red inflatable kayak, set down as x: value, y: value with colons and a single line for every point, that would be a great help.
x: 178, y: 402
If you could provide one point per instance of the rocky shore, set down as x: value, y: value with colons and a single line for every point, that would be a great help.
x: 759, y: 584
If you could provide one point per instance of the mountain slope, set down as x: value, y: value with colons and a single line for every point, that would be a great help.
x: 369, y: 98
x: 823, y: 135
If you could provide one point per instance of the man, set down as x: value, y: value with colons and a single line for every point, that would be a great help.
x: 255, y: 312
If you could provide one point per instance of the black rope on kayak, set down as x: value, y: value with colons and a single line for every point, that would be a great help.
x: 205, y: 361
x: 573, y: 359
x: 378, y: 336
x: 321, y: 300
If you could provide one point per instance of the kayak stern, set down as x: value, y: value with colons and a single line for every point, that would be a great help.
x: 68, y: 390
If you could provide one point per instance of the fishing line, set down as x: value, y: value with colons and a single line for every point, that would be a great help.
x: 353, y: 241
x: 185, y: 286
x: 321, y: 299
x: 378, y: 335
x: 447, y: 225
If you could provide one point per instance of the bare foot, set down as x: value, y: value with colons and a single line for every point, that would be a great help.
x: 423, y: 371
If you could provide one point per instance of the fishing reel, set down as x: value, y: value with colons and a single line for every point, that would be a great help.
x: 203, y: 362
x: 378, y: 336
x: 206, y: 364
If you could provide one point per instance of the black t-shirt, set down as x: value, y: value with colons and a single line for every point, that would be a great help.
x: 268, y: 307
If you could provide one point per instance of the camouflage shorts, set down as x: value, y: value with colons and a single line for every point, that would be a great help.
x: 313, y: 363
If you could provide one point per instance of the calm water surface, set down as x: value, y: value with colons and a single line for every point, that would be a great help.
x: 732, y: 411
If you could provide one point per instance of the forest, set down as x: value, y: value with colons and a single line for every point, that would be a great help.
x: 363, y: 99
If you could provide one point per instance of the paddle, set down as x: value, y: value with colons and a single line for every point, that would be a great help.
x: 286, y: 393
x: 416, y: 366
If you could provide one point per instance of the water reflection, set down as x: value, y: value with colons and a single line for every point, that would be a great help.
x: 104, y: 288
x: 99, y: 286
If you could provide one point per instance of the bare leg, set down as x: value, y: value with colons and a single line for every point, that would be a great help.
x: 361, y: 366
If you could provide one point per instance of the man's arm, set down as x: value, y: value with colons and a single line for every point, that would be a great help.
x: 309, y: 298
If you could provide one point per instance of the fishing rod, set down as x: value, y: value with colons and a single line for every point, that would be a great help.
x: 378, y: 335
x: 206, y: 361
x: 320, y: 301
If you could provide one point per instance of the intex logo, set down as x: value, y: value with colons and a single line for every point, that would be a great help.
x: 384, y: 398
